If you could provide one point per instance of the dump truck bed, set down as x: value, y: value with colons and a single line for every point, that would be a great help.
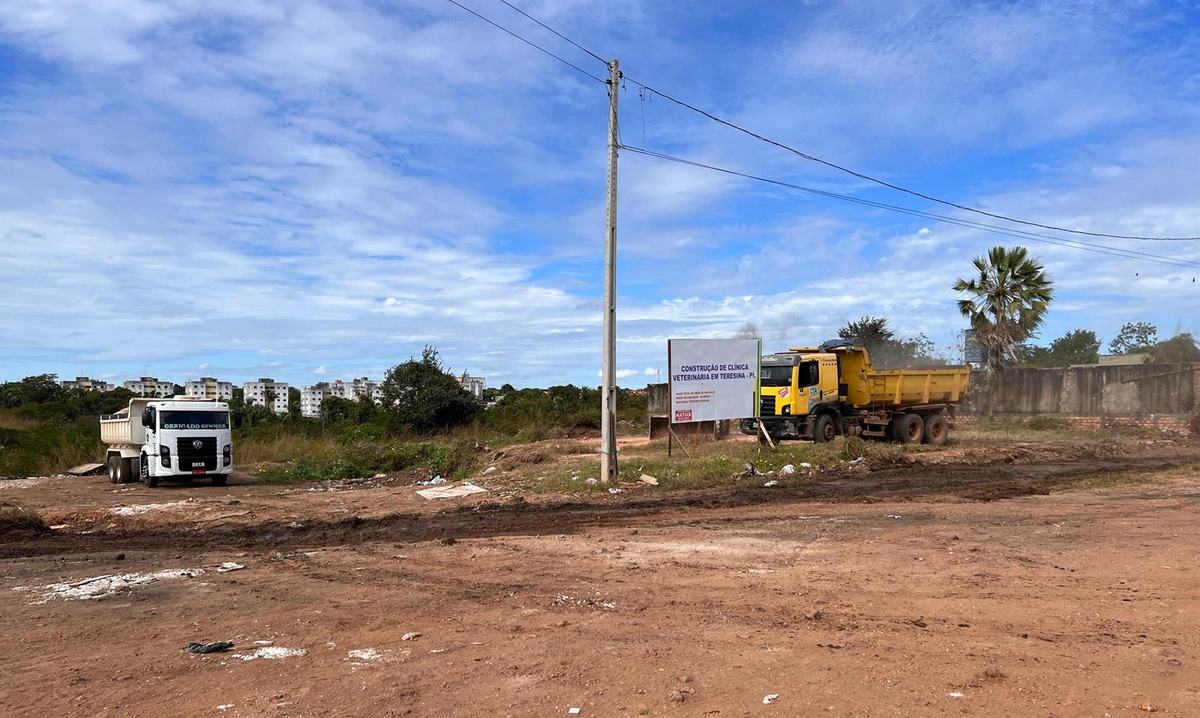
x: 895, y: 388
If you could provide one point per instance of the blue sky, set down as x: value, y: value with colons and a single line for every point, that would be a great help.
x: 314, y: 190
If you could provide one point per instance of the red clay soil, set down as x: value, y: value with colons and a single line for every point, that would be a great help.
x: 909, y: 590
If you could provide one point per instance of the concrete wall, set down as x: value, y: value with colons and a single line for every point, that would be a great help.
x: 1132, y: 391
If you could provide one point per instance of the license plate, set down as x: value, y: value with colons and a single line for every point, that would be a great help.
x: 197, y: 471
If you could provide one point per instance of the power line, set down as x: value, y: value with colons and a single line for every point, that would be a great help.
x: 528, y: 42
x: 556, y: 32
x: 898, y: 188
x: 1069, y: 243
x: 793, y: 150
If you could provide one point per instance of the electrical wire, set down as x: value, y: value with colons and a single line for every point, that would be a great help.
x: 799, y: 153
x: 528, y: 42
x: 1023, y: 234
x: 556, y: 32
x: 898, y: 188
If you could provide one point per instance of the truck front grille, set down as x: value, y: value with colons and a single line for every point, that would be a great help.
x: 766, y: 406
x: 192, y: 458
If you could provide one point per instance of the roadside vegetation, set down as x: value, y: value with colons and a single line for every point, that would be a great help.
x: 430, y: 423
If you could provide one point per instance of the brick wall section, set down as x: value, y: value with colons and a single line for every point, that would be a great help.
x: 1181, y: 423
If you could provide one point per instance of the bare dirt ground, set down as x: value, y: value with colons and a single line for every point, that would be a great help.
x: 1022, y: 585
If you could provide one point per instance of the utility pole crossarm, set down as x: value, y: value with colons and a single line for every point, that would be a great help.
x: 608, y: 418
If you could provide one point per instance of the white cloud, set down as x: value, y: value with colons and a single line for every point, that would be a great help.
x: 319, y: 370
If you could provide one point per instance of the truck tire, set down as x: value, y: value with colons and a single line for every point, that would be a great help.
x: 124, y: 470
x: 220, y: 479
x: 148, y: 479
x: 936, y: 429
x: 112, y: 468
x: 908, y: 429
x: 824, y: 429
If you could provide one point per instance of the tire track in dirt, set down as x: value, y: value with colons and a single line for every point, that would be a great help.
x: 952, y: 482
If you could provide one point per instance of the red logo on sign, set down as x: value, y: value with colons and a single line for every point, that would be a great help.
x: 683, y: 415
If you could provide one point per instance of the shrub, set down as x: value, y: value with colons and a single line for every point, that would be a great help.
x: 1044, y: 422
x: 20, y: 518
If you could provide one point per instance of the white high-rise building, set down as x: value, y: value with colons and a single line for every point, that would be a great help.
x: 367, y: 387
x: 311, y: 398
x: 255, y: 393
x: 149, y: 386
x: 473, y: 384
x: 209, y: 388
x: 86, y: 384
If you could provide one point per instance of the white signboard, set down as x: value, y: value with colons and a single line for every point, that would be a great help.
x: 713, y: 379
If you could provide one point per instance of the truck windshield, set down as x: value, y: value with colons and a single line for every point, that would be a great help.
x: 193, y: 420
x: 776, y: 376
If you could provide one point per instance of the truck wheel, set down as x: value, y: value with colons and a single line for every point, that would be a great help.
x: 148, y: 479
x: 823, y: 429
x: 219, y: 479
x: 124, y: 470
x: 936, y: 429
x: 112, y: 468
x: 909, y: 429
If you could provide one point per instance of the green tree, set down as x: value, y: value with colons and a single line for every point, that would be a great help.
x: 1179, y: 349
x: 1078, y: 346
x: 885, y: 348
x: 422, y: 395
x: 293, y: 404
x: 1134, y: 338
x: 1006, y: 303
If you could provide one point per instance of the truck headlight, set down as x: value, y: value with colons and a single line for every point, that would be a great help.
x: 164, y: 455
x: 227, y: 455
x: 787, y: 410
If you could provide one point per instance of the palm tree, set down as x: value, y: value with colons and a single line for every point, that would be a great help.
x: 1008, y: 301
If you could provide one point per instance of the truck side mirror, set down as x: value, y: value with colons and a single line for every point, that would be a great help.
x: 147, y: 420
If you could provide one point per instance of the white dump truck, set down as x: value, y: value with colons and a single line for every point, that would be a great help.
x: 178, y: 437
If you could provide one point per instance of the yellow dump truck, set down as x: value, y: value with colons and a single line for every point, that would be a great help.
x: 818, y: 393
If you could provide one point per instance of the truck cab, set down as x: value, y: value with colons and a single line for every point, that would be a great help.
x: 796, y: 387
x: 169, y: 438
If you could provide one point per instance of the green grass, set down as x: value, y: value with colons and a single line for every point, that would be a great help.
x: 715, y: 464
x: 1115, y: 479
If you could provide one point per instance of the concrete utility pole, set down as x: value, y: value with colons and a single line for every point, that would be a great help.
x: 608, y: 418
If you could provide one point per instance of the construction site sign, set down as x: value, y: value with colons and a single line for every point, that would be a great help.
x: 713, y: 379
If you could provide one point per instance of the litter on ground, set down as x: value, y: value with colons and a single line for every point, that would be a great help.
x: 271, y: 652
x: 789, y: 469
x: 364, y: 654
x: 229, y: 566
x: 105, y: 586
x: 411, y: 636
x: 772, y: 482
x: 214, y: 647
x: 137, y: 509
x: 648, y: 479
x: 451, y: 492
x: 767, y: 699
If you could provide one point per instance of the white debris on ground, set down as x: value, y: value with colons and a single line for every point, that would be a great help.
x: 593, y: 603
x: 364, y: 654
x: 137, y: 509
x: 451, y: 492
x: 105, y: 586
x: 21, y: 483
x: 229, y: 566
x: 271, y: 652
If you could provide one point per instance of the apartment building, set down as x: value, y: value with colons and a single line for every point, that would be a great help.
x: 311, y: 398
x: 86, y: 384
x: 209, y: 388
x: 150, y: 386
x: 473, y: 384
x: 255, y: 393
